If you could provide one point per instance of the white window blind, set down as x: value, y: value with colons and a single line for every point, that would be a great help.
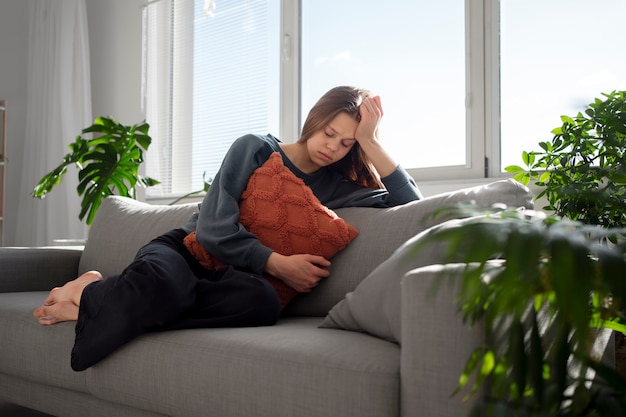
x: 211, y: 75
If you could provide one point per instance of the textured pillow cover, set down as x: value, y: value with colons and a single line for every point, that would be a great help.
x: 284, y: 214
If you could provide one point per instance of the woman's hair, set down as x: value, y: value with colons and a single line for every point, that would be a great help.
x: 355, y: 166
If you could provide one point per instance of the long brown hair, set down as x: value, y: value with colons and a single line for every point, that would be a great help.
x: 355, y: 166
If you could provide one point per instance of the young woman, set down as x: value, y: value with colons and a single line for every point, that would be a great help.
x: 338, y: 156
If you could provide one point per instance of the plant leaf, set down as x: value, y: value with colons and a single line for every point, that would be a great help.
x: 106, y: 162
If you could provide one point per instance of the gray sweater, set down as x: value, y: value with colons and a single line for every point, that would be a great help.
x: 217, y: 223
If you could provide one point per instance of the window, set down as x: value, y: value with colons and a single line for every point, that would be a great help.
x: 212, y: 75
x: 572, y: 54
x: 411, y: 53
x: 466, y: 85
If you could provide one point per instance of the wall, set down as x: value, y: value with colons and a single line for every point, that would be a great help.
x: 13, y: 72
x: 115, y: 43
x: 115, y: 48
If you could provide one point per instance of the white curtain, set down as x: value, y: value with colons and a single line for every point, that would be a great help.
x: 58, y: 108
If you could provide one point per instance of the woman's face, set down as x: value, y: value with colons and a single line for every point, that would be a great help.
x: 331, y: 143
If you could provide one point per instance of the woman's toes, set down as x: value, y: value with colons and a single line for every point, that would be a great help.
x: 39, y: 312
x: 56, y: 313
x: 51, y: 299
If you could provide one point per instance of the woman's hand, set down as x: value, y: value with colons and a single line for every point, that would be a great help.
x: 301, y: 272
x: 371, y: 111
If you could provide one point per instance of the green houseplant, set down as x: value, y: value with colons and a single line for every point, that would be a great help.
x: 555, y: 283
x: 107, y: 164
x: 559, y: 277
x: 582, y: 171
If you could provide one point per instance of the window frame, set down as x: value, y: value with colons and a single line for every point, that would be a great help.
x: 482, y: 89
x: 482, y: 103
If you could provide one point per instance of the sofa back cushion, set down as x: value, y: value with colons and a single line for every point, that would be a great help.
x: 382, y: 231
x: 123, y: 225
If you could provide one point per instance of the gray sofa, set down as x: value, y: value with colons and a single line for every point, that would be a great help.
x: 296, y: 368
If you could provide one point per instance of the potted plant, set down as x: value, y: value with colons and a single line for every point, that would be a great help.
x: 554, y: 284
x: 108, y: 164
x: 565, y: 272
x: 582, y: 171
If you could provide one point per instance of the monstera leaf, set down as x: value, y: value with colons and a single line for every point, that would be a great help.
x: 107, y: 164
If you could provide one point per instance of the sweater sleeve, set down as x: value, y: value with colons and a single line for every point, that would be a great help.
x: 218, y: 229
x: 400, y: 188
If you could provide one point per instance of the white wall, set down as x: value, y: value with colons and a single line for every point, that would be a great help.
x: 115, y: 43
x: 13, y: 64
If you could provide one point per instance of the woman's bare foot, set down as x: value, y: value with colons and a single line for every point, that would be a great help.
x: 72, y: 290
x: 56, y: 313
x: 62, y: 302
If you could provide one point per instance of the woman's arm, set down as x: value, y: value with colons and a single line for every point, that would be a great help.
x: 371, y: 112
x: 400, y: 188
x: 218, y: 229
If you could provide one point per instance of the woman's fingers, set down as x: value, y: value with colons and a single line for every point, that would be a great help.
x: 371, y: 112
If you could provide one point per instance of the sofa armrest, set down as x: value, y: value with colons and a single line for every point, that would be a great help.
x: 37, y: 269
x: 435, y: 343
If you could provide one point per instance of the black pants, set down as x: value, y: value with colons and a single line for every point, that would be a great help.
x: 165, y: 288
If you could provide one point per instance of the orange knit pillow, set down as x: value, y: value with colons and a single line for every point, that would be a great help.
x: 285, y: 215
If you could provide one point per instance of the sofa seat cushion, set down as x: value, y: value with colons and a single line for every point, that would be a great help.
x: 34, y: 352
x: 291, y: 369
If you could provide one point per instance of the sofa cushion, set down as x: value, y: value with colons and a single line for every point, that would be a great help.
x: 122, y: 226
x: 374, y: 306
x: 284, y: 214
x: 291, y: 369
x: 34, y: 352
x: 382, y: 231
